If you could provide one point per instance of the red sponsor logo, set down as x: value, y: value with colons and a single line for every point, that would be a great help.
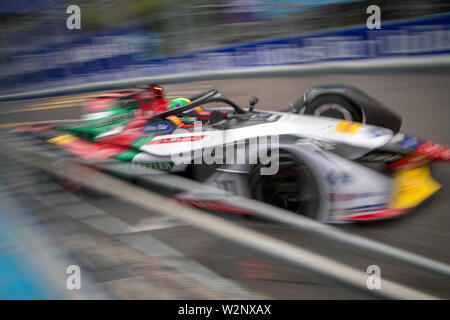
x: 177, y: 139
x: 374, y: 215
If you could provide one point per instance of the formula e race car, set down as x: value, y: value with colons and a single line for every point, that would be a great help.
x: 335, y: 155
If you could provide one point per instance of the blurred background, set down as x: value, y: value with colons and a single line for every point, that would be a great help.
x: 121, y: 40
x: 126, y: 252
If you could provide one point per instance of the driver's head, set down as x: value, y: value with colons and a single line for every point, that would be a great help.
x: 178, y: 102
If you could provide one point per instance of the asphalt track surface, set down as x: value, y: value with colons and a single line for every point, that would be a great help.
x: 422, y: 99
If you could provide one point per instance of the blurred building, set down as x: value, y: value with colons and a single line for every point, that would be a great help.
x: 176, y: 26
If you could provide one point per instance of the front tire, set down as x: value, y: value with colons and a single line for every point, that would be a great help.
x: 293, y: 187
x: 333, y: 106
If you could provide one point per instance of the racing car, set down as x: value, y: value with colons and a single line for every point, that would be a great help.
x: 335, y: 155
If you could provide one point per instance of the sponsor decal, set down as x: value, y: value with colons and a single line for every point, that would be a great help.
x: 366, y: 208
x: 378, y: 132
x: 352, y: 196
x: 348, y: 127
x: 176, y: 120
x: 158, y: 127
x: 177, y: 139
x: 334, y: 178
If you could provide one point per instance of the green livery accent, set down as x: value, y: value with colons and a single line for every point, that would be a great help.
x: 142, y: 141
x: 118, y: 116
x: 128, y: 155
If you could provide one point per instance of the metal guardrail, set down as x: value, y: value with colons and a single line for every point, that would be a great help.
x: 138, y: 196
x: 301, y: 223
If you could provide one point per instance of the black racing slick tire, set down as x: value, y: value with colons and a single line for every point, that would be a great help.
x: 333, y: 106
x: 293, y: 187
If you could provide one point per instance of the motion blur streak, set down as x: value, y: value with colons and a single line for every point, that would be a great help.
x: 252, y: 239
x: 275, y: 50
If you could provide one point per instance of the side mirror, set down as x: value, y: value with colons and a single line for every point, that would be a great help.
x: 252, y: 102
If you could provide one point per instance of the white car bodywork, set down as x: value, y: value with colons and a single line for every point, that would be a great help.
x: 345, y: 185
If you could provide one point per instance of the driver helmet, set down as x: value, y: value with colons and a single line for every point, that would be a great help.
x: 178, y: 102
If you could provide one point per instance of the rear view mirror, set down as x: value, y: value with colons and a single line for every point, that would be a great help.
x: 252, y: 102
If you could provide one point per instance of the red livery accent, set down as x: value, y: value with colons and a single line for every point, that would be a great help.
x: 425, y: 152
x: 433, y: 151
x: 212, y: 205
x: 373, y: 215
x: 178, y: 139
x: 92, y: 151
x: 412, y: 161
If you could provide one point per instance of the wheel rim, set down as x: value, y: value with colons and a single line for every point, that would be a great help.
x: 334, y: 110
x: 292, y: 188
